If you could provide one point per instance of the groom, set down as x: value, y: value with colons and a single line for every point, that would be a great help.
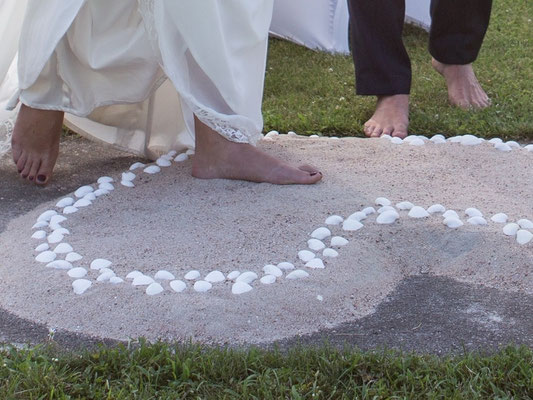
x: 383, y: 68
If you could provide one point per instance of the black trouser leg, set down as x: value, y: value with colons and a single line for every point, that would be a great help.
x: 382, y: 66
x: 457, y: 29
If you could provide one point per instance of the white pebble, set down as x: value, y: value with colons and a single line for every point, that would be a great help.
x: 129, y: 184
x: 298, y: 274
x: 382, y: 201
x: 164, y: 276
x: 100, y: 263
x: 67, y: 201
x: 82, y: 191
x: 268, y: 279
x: 386, y: 208
x: 306, y: 255
x: 63, y: 248
x: 39, y: 235
x: 106, y: 186
x: 473, y: 212
x: 315, y: 244
x: 154, y: 289
x: 503, y: 147
x: 292, y: 133
x: 60, y: 264
x: 358, y: 216
x: 500, y: 218
x: 190, y: 152
x: 46, y: 216
x: 78, y: 272
x: 369, y: 210
x: 511, y: 229
x: 495, y: 141
x: 73, y: 257
x: 438, y: 139
x: 417, y: 142
x: 418, y: 212
x: 90, y: 196
x: 115, y: 280
x: 272, y: 134
x: 351, y: 225
x: 106, y: 276
x: 128, y: 176
x: 436, y: 208
x: 315, y: 263
x: 46, y: 257
x: 470, y: 140
x: 42, y: 247
x: 525, y: 223
x: 142, y: 280
x: 163, y: 162
x: 321, y: 233
x: 523, y: 236
x: 55, y: 237
x: 215, y: 277
x: 330, y: 253
x: 234, y: 275
x: 152, y: 169
x: 247, y: 277
x: 136, y: 165
x: 396, y: 140
x: 513, y: 144
x: 405, y: 205
x: 477, y: 221
x: 455, y: 139
x: 81, y: 285
x: 450, y: 214
x: 104, y: 179
x: 285, y: 266
x: 134, y: 274
x: 529, y: 147
x: 452, y: 222
x: 192, y: 275
x: 338, y: 241
x: 202, y: 286
x: 334, y: 220
x: 272, y: 270
x: 62, y: 231
x: 39, y: 225
x: 320, y: 298
x: 388, y: 217
x: 178, y: 286
x: 70, y: 210
x: 172, y: 153
x: 240, y: 288
x: 82, y: 203
x: 181, y: 157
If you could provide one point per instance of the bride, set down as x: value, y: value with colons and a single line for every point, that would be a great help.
x: 147, y: 76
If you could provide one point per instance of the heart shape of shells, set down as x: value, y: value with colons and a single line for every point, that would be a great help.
x: 55, y: 252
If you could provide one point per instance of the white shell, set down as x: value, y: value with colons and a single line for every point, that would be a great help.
x: 55, y: 237
x: 142, y: 280
x: 152, y: 169
x: 247, y: 277
x: 56, y: 220
x: 178, y: 286
x: 272, y: 134
x: 272, y: 270
x: 82, y: 191
x: 72, y: 257
x: 529, y: 147
x: 106, y: 186
x: 418, y: 212
x: 190, y: 152
x: 473, y: 212
x: 417, y: 142
x: 405, y: 205
x: 82, y: 203
x: 59, y: 264
x: 477, y: 221
x: 386, y: 208
x: 513, y: 144
x: 63, y: 248
x: 330, y: 253
x: 115, y: 280
x: 525, y: 223
x: 81, y: 285
x: 334, y: 220
x: 46, y: 216
x: 369, y: 210
x: 67, y: 201
x: 306, y: 255
x: 452, y: 222
x: 500, y: 218
x: 172, y: 153
x: 42, y: 247
x: 78, y: 272
x: 70, y: 210
x: 382, y: 201
x: 90, y: 196
x: 285, y: 266
x: 352, y: 225
x: 100, y: 192
x: 471, y: 140
x: 315, y: 244
x: 450, y: 214
x: 181, y: 157
x: 100, y: 263
x: 61, y: 231
x: 320, y: 297
x: 523, y: 236
x: 436, y: 208
x: 338, y: 241
x: 292, y: 133
x: 106, y: 276
x: 315, y: 263
x: 240, y: 288
x: 202, y: 286
x: 268, y: 279
x: 396, y: 140
x: 192, y: 275
x: 134, y: 274
x: 136, y: 165
x: 358, y: 216
x: 129, y: 184
x: 495, y: 141
x: 503, y: 147
x: 164, y: 276
x: 321, y: 233
x: 298, y: 274
x: 233, y: 275
x: 215, y: 277
x: 39, y: 235
x: 438, y: 139
x: 511, y: 229
x: 39, y: 225
x: 163, y: 162
x: 154, y: 289
x: 128, y: 176
x: 388, y: 217
x: 104, y: 179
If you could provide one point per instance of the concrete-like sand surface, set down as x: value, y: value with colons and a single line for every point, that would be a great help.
x: 173, y: 222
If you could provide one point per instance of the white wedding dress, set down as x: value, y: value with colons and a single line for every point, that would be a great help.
x: 132, y: 73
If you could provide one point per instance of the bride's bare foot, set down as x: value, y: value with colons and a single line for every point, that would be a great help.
x: 218, y: 158
x: 464, y: 89
x: 390, y: 118
x: 35, y: 143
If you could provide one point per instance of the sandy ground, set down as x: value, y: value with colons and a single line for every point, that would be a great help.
x: 174, y: 222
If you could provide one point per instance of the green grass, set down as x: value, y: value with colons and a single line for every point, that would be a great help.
x: 313, y: 92
x: 160, y: 371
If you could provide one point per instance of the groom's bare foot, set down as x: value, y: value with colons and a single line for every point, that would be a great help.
x: 218, y: 158
x: 390, y: 118
x: 35, y: 143
x: 464, y: 89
